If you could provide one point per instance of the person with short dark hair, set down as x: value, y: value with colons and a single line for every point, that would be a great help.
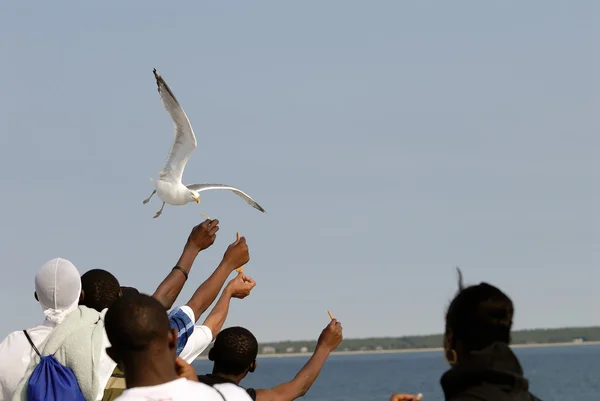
x: 234, y: 356
x: 100, y: 289
x: 144, y: 344
x: 476, y: 343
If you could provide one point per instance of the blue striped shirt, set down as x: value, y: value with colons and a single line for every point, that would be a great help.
x: 185, y: 327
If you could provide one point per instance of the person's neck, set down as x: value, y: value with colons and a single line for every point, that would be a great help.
x: 234, y: 378
x: 145, y: 370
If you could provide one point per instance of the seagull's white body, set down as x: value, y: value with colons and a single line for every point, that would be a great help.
x: 169, y: 187
x: 172, y: 193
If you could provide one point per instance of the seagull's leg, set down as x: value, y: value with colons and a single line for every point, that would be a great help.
x: 160, y: 211
x: 151, y: 195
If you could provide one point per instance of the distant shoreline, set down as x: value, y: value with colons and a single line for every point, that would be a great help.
x: 413, y: 350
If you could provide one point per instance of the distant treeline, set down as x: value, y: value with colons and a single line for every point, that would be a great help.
x: 536, y: 336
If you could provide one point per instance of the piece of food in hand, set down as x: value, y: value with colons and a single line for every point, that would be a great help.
x: 419, y: 396
x: 241, y: 268
x: 330, y: 315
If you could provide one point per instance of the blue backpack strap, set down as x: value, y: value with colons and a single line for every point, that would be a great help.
x: 32, y: 344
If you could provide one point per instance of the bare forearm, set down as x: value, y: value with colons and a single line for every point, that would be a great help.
x: 207, y: 292
x: 305, y: 378
x: 216, y: 318
x: 168, y: 291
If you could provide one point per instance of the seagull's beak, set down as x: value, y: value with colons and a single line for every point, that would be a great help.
x: 197, y: 200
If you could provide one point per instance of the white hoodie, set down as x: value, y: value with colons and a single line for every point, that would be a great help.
x: 58, y: 288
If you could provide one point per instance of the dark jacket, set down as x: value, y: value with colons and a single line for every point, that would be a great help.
x: 211, y: 380
x: 492, y: 374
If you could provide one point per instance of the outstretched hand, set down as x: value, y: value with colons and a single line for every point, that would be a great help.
x: 203, y: 235
x: 241, y: 286
x: 331, y: 336
x: 237, y: 254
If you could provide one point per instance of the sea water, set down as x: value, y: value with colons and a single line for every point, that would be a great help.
x: 555, y: 374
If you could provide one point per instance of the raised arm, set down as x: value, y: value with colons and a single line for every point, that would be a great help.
x: 329, y: 340
x: 240, y: 288
x: 235, y: 256
x: 201, y: 237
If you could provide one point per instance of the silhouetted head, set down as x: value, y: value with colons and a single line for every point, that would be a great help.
x: 129, y: 291
x: 234, y: 352
x: 477, y: 317
x: 100, y: 289
x: 138, y: 329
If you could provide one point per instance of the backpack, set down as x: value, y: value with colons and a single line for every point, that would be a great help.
x: 115, y: 386
x: 52, y: 381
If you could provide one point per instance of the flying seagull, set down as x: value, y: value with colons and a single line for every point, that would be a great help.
x: 169, y: 187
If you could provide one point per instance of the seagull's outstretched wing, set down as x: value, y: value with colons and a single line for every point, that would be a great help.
x: 185, y: 140
x: 246, y: 197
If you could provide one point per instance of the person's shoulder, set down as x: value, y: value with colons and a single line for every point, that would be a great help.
x: 184, y: 390
x: 18, y: 339
x: 233, y: 392
x: 11, y: 337
x: 198, y: 386
x: 185, y: 309
x: 227, y: 391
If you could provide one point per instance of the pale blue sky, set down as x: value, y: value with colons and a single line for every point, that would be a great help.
x: 388, y: 141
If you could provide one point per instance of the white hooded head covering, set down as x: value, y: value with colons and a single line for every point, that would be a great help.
x: 58, y: 288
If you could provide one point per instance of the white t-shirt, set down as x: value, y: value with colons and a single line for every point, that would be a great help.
x: 15, y: 355
x: 198, y: 342
x: 185, y: 390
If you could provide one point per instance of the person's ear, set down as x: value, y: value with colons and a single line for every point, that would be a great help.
x: 448, y: 339
x: 112, y: 353
x: 173, y: 338
x: 252, y: 367
x: 451, y: 342
x: 35, y: 296
x: 120, y: 293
